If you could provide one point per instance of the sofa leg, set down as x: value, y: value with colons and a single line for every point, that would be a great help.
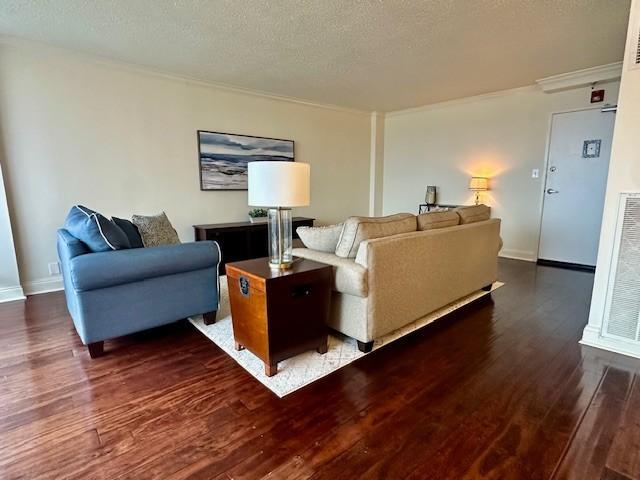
x: 365, y: 347
x: 210, y: 317
x: 487, y: 288
x: 96, y: 349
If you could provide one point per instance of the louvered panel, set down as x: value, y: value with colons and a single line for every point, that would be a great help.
x: 638, y: 49
x: 624, y: 308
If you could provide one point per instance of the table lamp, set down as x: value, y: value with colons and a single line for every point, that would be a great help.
x: 279, y: 186
x: 478, y: 184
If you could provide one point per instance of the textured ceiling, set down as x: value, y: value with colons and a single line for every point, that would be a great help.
x: 371, y: 55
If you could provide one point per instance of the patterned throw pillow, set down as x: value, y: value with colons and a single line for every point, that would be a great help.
x: 155, y: 230
x: 322, y: 239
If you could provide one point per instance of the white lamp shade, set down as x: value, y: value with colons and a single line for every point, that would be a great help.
x: 279, y: 184
x: 479, y: 184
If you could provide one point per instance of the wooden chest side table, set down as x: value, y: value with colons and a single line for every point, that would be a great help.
x: 279, y: 314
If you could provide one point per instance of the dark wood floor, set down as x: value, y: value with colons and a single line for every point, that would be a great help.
x: 498, y: 390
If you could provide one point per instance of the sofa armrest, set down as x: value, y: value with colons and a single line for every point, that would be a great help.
x: 108, y: 269
x: 348, y: 276
x: 69, y: 246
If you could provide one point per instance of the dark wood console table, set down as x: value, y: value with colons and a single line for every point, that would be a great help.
x: 242, y: 240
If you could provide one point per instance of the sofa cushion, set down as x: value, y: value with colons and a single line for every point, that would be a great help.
x: 474, y: 213
x: 99, y: 233
x: 348, y: 276
x: 155, y: 230
x: 358, y: 229
x: 108, y: 269
x: 440, y: 219
x: 130, y: 230
x: 322, y: 239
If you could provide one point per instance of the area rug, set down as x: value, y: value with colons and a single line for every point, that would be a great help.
x: 296, y: 372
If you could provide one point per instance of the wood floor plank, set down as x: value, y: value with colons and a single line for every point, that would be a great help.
x: 623, y: 459
x: 587, y: 453
x: 497, y: 390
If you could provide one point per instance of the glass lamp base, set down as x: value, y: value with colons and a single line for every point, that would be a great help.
x: 280, y: 266
x: 280, y: 238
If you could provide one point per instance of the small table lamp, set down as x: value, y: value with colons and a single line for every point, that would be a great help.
x: 478, y: 184
x: 279, y: 186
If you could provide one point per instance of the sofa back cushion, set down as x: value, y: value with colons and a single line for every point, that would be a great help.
x: 475, y: 213
x: 321, y: 239
x: 98, y: 232
x: 358, y: 229
x: 439, y: 219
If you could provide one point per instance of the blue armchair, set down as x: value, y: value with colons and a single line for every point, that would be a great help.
x: 110, y: 294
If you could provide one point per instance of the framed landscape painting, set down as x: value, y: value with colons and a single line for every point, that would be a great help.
x: 223, y: 157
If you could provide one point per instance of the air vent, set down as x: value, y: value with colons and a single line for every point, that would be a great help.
x: 638, y: 49
x: 623, y: 318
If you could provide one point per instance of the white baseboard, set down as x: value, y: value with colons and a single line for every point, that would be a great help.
x: 590, y: 335
x: 518, y: 255
x: 43, y: 285
x: 613, y: 346
x: 9, y: 294
x: 592, y: 338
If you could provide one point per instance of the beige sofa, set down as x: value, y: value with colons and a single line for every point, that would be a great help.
x: 397, y: 279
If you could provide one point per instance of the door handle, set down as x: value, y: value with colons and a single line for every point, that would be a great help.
x: 551, y: 190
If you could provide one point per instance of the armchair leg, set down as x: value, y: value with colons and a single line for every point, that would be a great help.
x: 365, y: 347
x: 210, y: 317
x: 96, y: 349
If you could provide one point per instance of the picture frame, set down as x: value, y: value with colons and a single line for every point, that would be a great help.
x: 223, y: 158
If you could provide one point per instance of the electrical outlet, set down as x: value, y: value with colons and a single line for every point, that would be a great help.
x: 54, y: 268
x: 535, y: 173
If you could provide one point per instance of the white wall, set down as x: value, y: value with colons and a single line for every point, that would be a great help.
x: 502, y: 136
x: 624, y: 176
x: 10, y: 288
x: 123, y: 141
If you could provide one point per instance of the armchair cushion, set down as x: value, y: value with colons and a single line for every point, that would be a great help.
x: 97, y: 232
x: 108, y: 269
x: 130, y: 230
x: 69, y: 246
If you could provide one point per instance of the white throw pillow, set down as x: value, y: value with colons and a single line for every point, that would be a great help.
x: 322, y: 239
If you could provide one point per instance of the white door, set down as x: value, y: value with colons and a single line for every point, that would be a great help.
x: 579, y: 151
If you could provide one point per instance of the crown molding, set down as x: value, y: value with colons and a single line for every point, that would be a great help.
x: 143, y: 69
x: 464, y: 100
x: 581, y: 78
x: 565, y: 81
